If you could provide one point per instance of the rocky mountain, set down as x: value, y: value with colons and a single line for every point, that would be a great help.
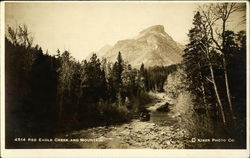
x: 153, y: 46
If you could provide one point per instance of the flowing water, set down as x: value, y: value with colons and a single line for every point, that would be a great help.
x: 163, y: 117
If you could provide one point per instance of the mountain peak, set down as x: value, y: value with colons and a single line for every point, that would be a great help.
x: 153, y: 46
x: 154, y: 28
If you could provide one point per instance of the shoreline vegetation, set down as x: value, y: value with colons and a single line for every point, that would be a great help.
x: 201, y: 99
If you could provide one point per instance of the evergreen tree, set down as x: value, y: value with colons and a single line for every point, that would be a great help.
x: 95, y: 82
x: 194, y: 59
x: 117, y: 73
x: 144, y: 77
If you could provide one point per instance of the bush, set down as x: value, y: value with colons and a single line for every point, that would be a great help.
x: 112, y: 112
x: 176, y: 83
x: 197, y: 125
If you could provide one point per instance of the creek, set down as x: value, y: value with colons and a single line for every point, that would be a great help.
x: 160, y: 131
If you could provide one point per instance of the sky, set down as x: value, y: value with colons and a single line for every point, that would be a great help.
x: 84, y: 27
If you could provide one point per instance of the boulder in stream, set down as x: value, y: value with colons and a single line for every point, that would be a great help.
x: 144, y: 115
x: 164, y: 107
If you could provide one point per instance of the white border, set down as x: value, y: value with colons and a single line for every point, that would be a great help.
x: 149, y: 153
x: 2, y: 76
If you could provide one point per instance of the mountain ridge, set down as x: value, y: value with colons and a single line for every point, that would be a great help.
x: 152, y: 46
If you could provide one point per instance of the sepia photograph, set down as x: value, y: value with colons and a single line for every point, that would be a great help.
x: 124, y: 75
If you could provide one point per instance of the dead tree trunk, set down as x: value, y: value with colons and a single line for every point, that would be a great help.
x: 206, y: 51
x: 227, y: 88
x: 217, y: 93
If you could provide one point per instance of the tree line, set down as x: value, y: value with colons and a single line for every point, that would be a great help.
x: 47, y: 94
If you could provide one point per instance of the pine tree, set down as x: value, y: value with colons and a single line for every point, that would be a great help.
x: 194, y: 59
x: 94, y: 82
x: 117, y: 72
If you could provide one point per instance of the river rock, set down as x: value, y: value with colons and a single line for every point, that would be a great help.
x: 167, y: 143
x: 164, y: 108
x: 162, y: 133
